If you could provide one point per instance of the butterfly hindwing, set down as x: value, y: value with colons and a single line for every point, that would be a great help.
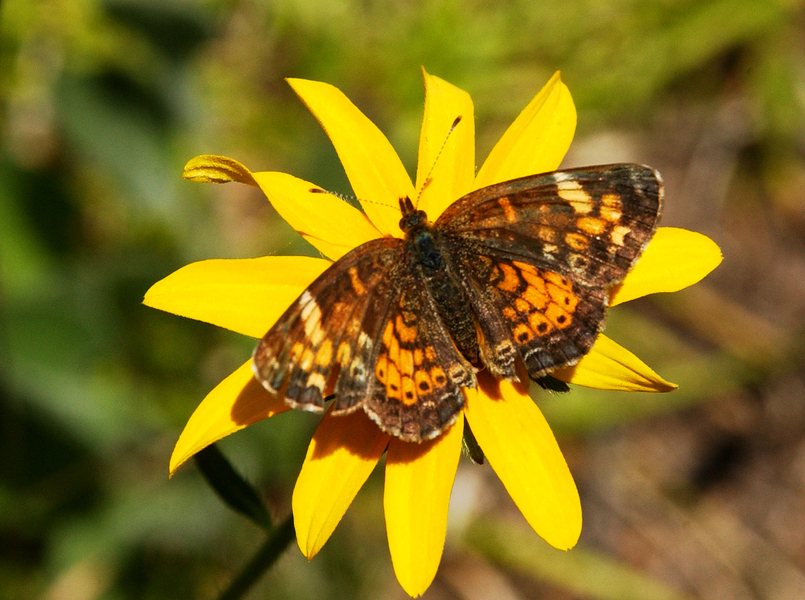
x: 548, y: 320
x: 416, y: 392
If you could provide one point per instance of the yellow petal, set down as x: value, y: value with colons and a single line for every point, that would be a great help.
x: 245, y: 295
x: 610, y: 366
x: 673, y: 260
x: 375, y: 171
x: 238, y: 401
x: 340, y: 458
x: 522, y: 450
x: 419, y: 478
x: 537, y: 140
x: 446, y: 160
x: 209, y: 168
x: 330, y: 224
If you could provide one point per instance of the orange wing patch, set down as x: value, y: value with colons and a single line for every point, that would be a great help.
x: 611, y: 207
x: 357, y: 284
x: 508, y: 212
x: 325, y: 354
x: 402, y: 367
x: 591, y: 225
x: 577, y: 241
x: 511, y: 280
x: 407, y: 334
x: 542, y: 301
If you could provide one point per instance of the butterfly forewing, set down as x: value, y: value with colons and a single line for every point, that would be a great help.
x: 590, y: 224
x: 419, y: 373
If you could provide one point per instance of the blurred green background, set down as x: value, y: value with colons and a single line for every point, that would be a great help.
x: 695, y: 494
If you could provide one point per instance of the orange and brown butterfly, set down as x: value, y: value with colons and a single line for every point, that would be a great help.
x: 514, y: 272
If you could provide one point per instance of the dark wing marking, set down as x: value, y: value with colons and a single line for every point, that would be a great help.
x: 323, y: 335
x: 590, y: 224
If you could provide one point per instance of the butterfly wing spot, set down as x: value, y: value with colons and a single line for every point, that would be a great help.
x: 539, y: 323
x: 317, y: 381
x: 523, y: 334
x: 311, y: 317
x: 522, y: 305
x: 419, y: 357
x: 407, y: 334
x: 394, y: 350
x: 558, y: 280
x: 430, y: 353
x: 324, y: 356
x: 510, y: 281
x: 577, y: 262
x: 563, y: 297
x: 546, y: 234
x: 577, y: 241
x: 409, y: 395
x: 393, y: 381
x: 534, y: 296
x: 611, y: 208
x: 422, y: 380
x: 388, y: 334
x: 575, y: 195
x: 508, y: 212
x: 558, y: 317
x: 438, y: 376
x: 296, y: 351
x: 406, y: 362
x: 307, y: 359
x: 381, y: 368
x: 591, y: 225
x: 343, y: 354
x: 357, y: 284
x: 619, y: 232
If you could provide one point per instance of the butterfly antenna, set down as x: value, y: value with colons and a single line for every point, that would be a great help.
x: 350, y: 199
x: 427, y: 180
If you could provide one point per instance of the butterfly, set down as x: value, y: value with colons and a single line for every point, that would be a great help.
x: 516, y: 271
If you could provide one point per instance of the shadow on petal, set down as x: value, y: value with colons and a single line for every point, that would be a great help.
x: 409, y: 452
x: 254, y: 403
x: 491, y: 386
x: 354, y: 433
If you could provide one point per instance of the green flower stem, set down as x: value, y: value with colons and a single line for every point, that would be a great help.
x: 274, y: 546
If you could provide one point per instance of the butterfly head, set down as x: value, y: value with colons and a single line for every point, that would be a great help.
x: 412, y: 219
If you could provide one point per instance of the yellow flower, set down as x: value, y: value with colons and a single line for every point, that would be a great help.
x: 249, y: 295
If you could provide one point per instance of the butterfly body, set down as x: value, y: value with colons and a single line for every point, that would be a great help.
x: 431, y: 262
x: 515, y: 271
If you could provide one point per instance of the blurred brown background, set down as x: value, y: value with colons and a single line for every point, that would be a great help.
x: 696, y: 494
